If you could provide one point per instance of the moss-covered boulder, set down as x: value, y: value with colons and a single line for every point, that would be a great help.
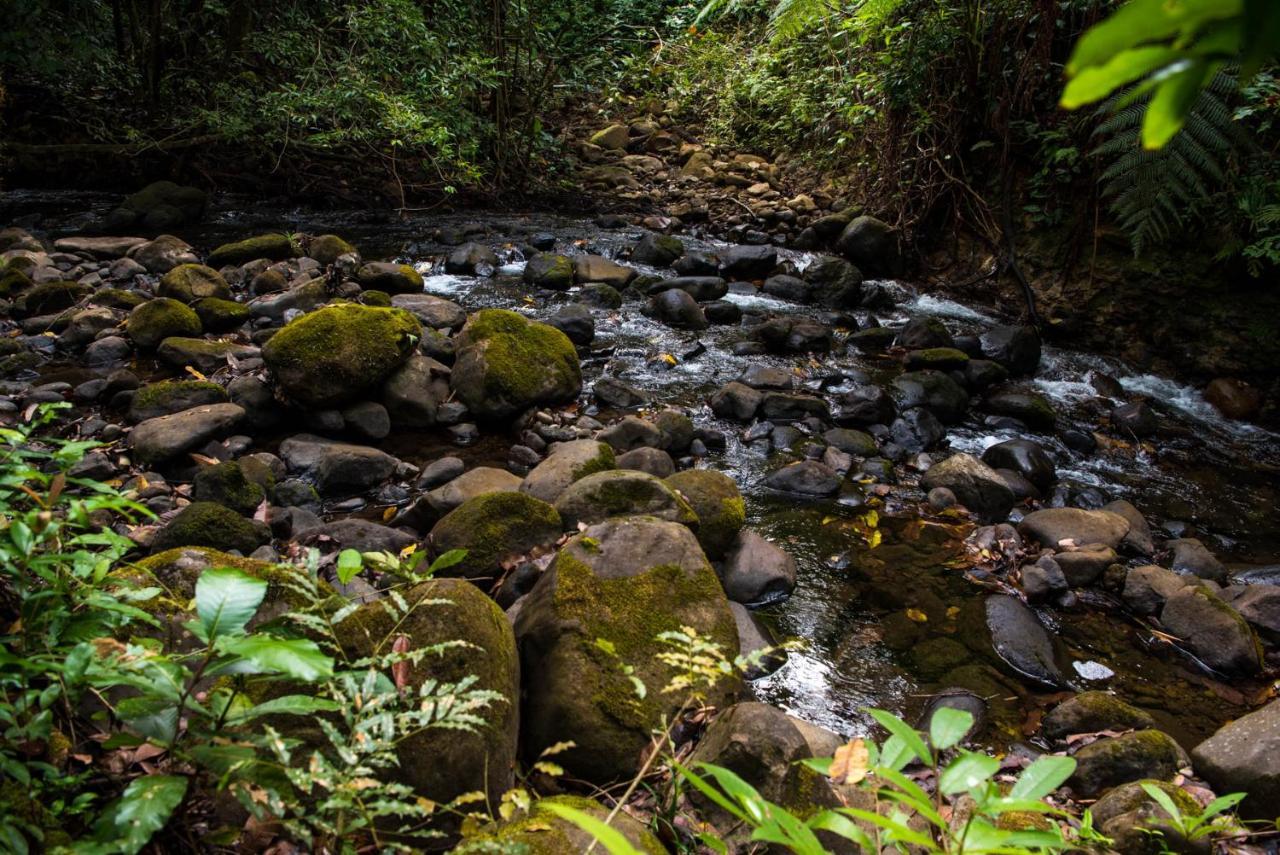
x: 173, y: 396
x: 49, y: 297
x: 326, y: 249
x: 620, y: 493
x: 275, y: 247
x: 333, y: 355
x: 161, y: 318
x: 541, y: 831
x: 117, y: 298
x: 212, y: 525
x: 1138, y: 825
x: 568, y: 462
x: 1091, y: 712
x: 441, y: 764
x: 495, y: 528
x: 218, y: 315
x: 626, y: 581
x: 506, y: 364
x: 1129, y: 757
x: 191, y: 282
x: 226, y: 484
x: 551, y: 271
x: 714, y: 497
x: 390, y: 278
x: 13, y: 281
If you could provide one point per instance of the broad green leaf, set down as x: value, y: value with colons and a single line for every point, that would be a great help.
x: 1162, y: 798
x: 743, y: 793
x: 833, y: 822
x: 287, y: 705
x: 349, y: 564
x: 1171, y: 102
x: 966, y: 772
x: 449, y: 559
x: 701, y: 785
x: 143, y: 810
x: 156, y: 718
x: 1142, y: 22
x: 226, y: 599
x: 899, y: 728
x: 1220, y: 804
x: 297, y: 658
x: 609, y: 837
x: 899, y: 831
x: 1042, y: 777
x: 948, y: 726
x: 895, y: 754
x: 1099, y: 81
x: 911, y: 794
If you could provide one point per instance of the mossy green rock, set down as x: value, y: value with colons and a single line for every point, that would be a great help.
x: 173, y: 396
x: 1121, y: 759
x: 161, y: 318
x: 13, y: 280
x: 390, y: 278
x: 494, y: 528
x: 117, y: 298
x: 333, y: 355
x: 326, y: 249
x: 618, y: 493
x: 191, y: 282
x: 1131, y: 796
x: 568, y: 462
x: 275, y: 247
x: 211, y: 525
x: 218, y: 315
x: 1091, y: 712
x: 626, y: 581
x: 442, y: 764
x: 541, y: 831
x: 49, y: 297
x: 714, y: 497
x: 506, y: 364
x: 226, y: 484
x: 548, y: 270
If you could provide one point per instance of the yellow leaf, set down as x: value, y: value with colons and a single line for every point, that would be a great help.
x: 917, y: 616
x: 828, y: 520
x: 668, y: 358
x: 849, y: 766
x: 388, y: 514
x: 196, y: 374
x: 952, y: 611
x: 874, y: 540
x: 409, y: 550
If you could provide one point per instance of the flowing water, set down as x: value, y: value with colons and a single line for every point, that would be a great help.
x: 886, y: 626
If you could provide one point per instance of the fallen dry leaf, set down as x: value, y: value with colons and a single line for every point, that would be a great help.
x: 849, y: 766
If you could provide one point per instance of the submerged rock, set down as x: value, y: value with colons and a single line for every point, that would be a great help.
x: 756, y: 570
x: 1021, y: 641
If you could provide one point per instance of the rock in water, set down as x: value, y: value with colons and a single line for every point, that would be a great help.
x: 1215, y: 632
x: 872, y: 245
x: 1121, y: 759
x: 1244, y: 757
x: 506, y: 364
x: 568, y: 462
x: 624, y: 580
x: 159, y: 439
x: 333, y: 355
x: 1051, y: 526
x: 493, y: 528
x: 622, y: 492
x: 1021, y: 641
x: 978, y: 487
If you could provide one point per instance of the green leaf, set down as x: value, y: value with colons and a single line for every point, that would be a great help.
x: 349, y: 564
x: 1162, y: 798
x: 297, y: 658
x: 700, y: 784
x: 1171, y: 102
x: 156, y: 718
x: 449, y: 559
x: 743, y: 793
x: 966, y: 772
x: 899, y: 728
x: 1143, y: 22
x: 287, y: 705
x: 948, y: 726
x: 1097, y: 82
x: 226, y: 599
x: 612, y: 839
x: 1042, y: 777
x: 143, y: 810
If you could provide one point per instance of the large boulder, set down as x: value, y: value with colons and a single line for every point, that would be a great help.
x: 414, y: 392
x: 757, y: 570
x: 1017, y: 348
x: 597, y: 268
x: 191, y: 282
x: 872, y: 245
x: 441, y: 764
x: 336, y: 354
x: 507, y: 363
x: 625, y: 581
x: 714, y: 497
x: 978, y: 487
x: 1027, y: 458
x: 273, y: 247
x: 1051, y: 526
x: 212, y: 525
x: 932, y: 390
x: 1244, y: 757
x: 390, y: 277
x: 621, y: 492
x: 568, y: 462
x: 165, y: 437
x: 1216, y: 633
x: 494, y: 529
x: 155, y: 320
x: 1122, y: 759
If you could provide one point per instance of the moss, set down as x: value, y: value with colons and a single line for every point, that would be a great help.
x: 17, y: 363
x: 161, y: 318
x: 714, y: 497
x: 327, y: 248
x: 218, y: 315
x: 13, y: 280
x: 602, y: 462
x: 492, y: 527
x: 191, y: 282
x: 1141, y: 754
x: 226, y: 484
x: 1131, y: 796
x: 542, y: 832
x: 334, y: 354
x: 393, y: 278
x: 1090, y: 712
x: 623, y: 492
x: 212, y: 525
x: 376, y: 298
x: 173, y: 396
x: 276, y: 247
x: 523, y: 363
x: 48, y: 297
x: 117, y: 298
x: 1023, y: 820
x: 23, y: 807
x: 937, y: 357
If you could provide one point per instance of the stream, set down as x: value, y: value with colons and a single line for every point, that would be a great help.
x: 879, y: 626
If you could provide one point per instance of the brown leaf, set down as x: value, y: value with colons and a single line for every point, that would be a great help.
x: 849, y: 766
x: 400, y: 670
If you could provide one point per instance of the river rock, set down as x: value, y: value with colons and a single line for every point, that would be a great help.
x: 335, y: 354
x: 736, y: 401
x: 655, y: 461
x: 677, y: 308
x: 471, y: 259
x: 863, y: 405
x: 568, y: 462
x: 205, y: 356
x: 624, y: 580
x: 631, y: 433
x: 834, y: 282
x: 274, y: 247
x: 190, y: 282
x: 805, y: 478
x: 1027, y: 407
x: 1086, y: 565
x: 916, y: 430
x: 1260, y: 606
x: 597, y: 497
x: 719, y: 506
x: 748, y: 262
x: 657, y: 250
x: 158, y: 206
x: 873, y: 245
x: 701, y: 288
x: 541, y: 829
x: 327, y: 249
x: 613, y: 392
x: 1051, y: 526
x: 1192, y: 558
x: 160, y: 318
x: 1244, y: 757
x: 924, y: 333
x: 1121, y: 759
x: 597, y: 268
x: 165, y: 437
x: 1017, y: 348
x: 468, y: 485
x: 98, y: 247
x: 1135, y: 418
x: 550, y: 271
x: 1234, y: 398
x: 494, y: 529
x: 173, y: 396
x: 1138, y: 540
x: 211, y: 525
x: 933, y: 390
x: 355, y: 533
x: 413, y: 393
x: 337, y: 468
x: 756, y: 570
x: 434, y: 312
x: 1027, y: 458
x: 575, y: 321
x: 1021, y: 641
x: 1091, y: 712
x: 1147, y: 588
x: 978, y: 487
x: 506, y: 364
x: 1216, y: 633
x: 389, y: 277
x: 756, y: 641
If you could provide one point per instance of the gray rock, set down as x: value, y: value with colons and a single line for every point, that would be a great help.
x: 1138, y: 540
x: 630, y: 433
x: 435, y: 313
x: 1021, y: 641
x: 1147, y: 588
x: 354, y: 533
x: 1084, y: 566
x: 1217, y: 635
x: 1091, y: 712
x: 805, y: 478
x: 1192, y: 558
x: 872, y: 245
x: 471, y: 259
x: 337, y: 468
x: 655, y: 461
x: 468, y: 485
x: 748, y: 262
x: 978, y: 487
x: 1244, y: 757
x: 597, y: 497
x: 932, y: 390
x: 1025, y: 457
x: 1129, y: 757
x: 736, y: 401
x: 756, y: 640
x: 1017, y: 348
x: 1051, y: 526
x: 613, y: 392
x: 160, y: 439
x: 756, y: 570
x: 678, y: 309
x: 567, y: 462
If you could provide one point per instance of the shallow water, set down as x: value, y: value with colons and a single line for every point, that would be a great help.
x: 881, y: 627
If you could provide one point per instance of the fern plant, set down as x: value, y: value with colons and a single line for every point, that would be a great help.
x: 1153, y: 194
